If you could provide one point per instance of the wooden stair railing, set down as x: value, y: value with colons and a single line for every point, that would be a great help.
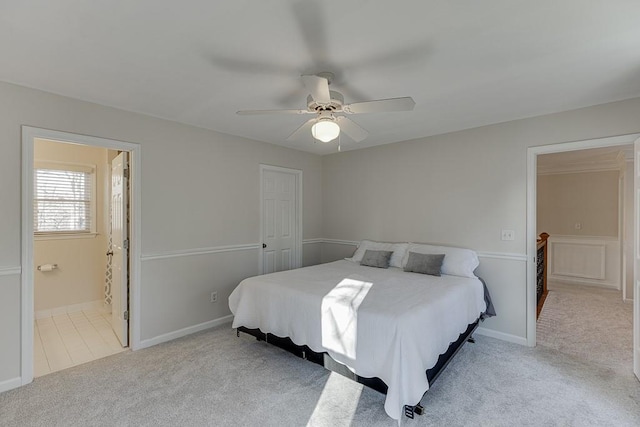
x: 542, y: 262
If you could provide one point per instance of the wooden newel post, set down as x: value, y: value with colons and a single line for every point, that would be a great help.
x: 542, y: 262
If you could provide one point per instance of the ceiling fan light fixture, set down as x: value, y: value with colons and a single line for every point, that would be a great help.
x: 325, y: 130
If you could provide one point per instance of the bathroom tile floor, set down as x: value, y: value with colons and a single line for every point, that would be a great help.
x: 72, y: 339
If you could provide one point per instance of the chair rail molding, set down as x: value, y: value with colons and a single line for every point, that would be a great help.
x: 481, y: 254
x: 199, y: 251
x: 319, y: 240
x: 340, y: 242
x: 9, y: 270
x: 312, y: 241
x: 503, y: 255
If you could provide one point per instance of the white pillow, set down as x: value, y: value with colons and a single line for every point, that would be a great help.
x: 399, y: 250
x: 457, y: 261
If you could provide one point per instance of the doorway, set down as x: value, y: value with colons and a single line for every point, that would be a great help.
x: 581, y: 201
x: 78, y: 277
x: 280, y: 219
x: 532, y: 158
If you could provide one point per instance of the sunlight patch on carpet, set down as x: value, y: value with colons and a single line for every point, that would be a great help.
x: 338, y: 402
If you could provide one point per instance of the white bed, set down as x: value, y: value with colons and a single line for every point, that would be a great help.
x: 383, y: 323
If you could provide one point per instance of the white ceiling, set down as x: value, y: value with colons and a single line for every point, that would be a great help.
x: 466, y: 63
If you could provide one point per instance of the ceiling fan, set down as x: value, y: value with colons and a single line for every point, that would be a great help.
x: 325, y: 104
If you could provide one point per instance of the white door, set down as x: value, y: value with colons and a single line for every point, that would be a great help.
x: 636, y: 260
x: 279, y: 226
x: 120, y: 283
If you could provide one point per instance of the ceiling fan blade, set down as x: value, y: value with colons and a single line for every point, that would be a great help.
x: 353, y: 130
x: 318, y: 87
x: 310, y: 16
x: 255, y: 112
x: 380, y: 106
x: 305, y: 128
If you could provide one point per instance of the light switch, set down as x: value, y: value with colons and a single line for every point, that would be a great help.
x: 508, y: 234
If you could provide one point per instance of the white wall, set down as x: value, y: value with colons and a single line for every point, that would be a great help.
x: 460, y: 189
x: 200, y: 189
x: 81, y: 261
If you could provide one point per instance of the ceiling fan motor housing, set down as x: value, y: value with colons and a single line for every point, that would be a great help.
x: 335, y: 104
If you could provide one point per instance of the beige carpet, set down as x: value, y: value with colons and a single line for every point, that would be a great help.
x: 588, y: 323
x: 215, y: 379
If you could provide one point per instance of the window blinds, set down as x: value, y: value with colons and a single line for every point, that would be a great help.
x: 63, y: 199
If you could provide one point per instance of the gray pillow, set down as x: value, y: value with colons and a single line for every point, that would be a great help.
x: 378, y: 259
x: 424, y: 263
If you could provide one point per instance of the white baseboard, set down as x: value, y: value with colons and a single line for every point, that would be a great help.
x: 98, y: 305
x: 183, y: 332
x: 10, y: 384
x: 502, y: 336
x: 582, y: 281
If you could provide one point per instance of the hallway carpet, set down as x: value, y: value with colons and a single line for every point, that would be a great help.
x: 589, y: 323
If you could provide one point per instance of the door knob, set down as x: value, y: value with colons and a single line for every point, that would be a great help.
x: 110, y: 253
x: 264, y: 245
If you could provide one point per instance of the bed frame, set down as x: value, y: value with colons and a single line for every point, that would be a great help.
x: 323, y: 359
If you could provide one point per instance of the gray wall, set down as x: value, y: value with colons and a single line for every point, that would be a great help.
x: 199, y: 189
x: 460, y: 189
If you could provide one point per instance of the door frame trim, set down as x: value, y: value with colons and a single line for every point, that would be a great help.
x: 532, y: 173
x: 27, y: 293
x: 636, y: 255
x: 297, y: 260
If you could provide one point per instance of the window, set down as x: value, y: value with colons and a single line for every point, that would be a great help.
x: 64, y: 199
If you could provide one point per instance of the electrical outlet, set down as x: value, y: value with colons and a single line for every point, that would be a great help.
x: 508, y: 234
x: 214, y: 297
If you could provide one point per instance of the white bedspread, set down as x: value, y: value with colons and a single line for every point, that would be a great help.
x: 379, y: 322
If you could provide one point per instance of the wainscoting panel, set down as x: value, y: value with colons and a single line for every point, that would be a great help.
x: 579, y: 259
x: 176, y: 287
x: 10, y: 352
x: 586, y: 260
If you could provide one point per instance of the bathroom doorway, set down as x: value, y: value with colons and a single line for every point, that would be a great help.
x: 80, y: 234
x: 75, y: 259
